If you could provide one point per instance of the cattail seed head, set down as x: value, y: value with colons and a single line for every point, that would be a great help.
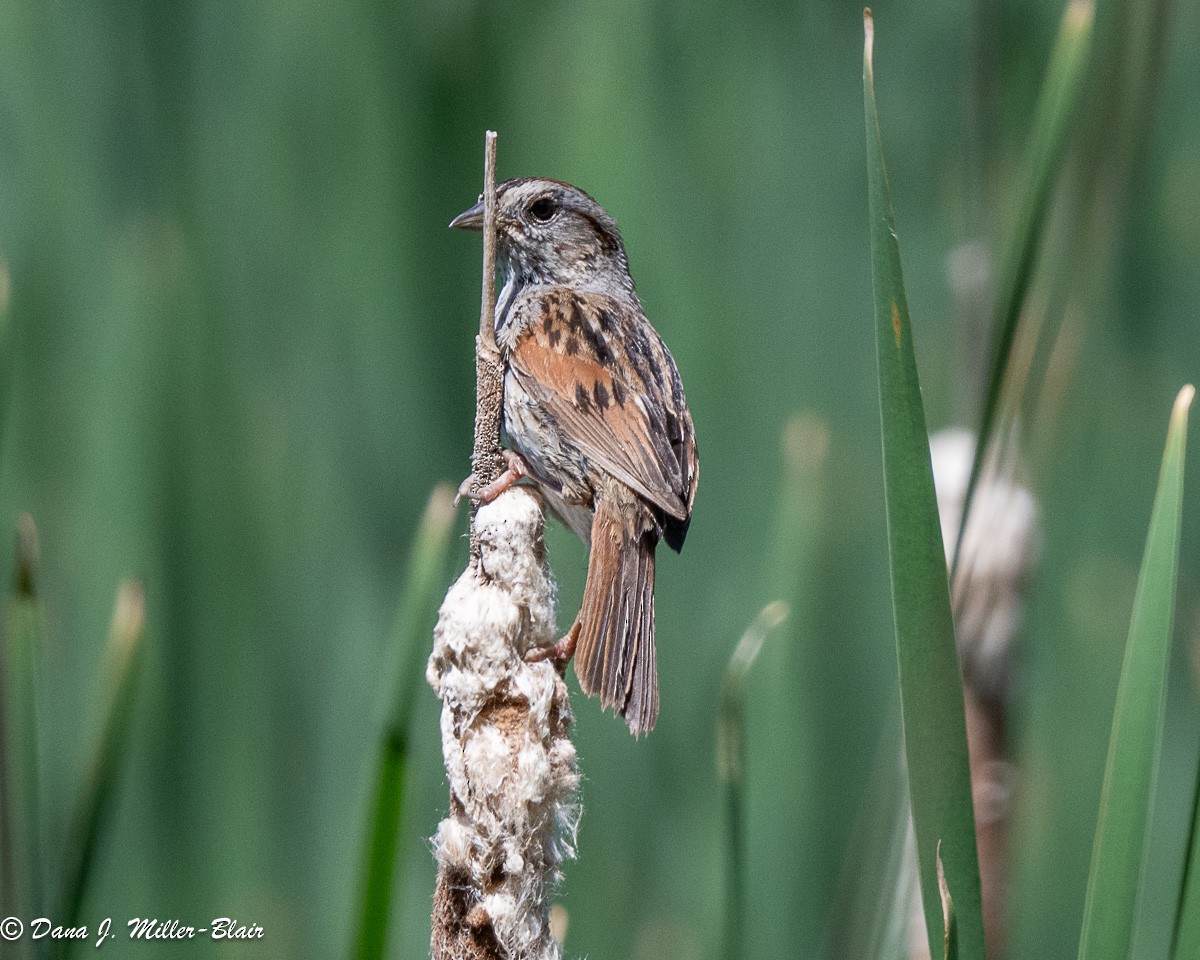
x: 511, y: 766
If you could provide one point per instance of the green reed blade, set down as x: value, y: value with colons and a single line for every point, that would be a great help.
x: 1133, y: 750
x: 93, y: 812
x: 931, y: 696
x: 414, y: 624
x: 731, y: 767
x: 1057, y: 106
x: 1187, y: 917
x: 874, y: 903
x: 21, y: 876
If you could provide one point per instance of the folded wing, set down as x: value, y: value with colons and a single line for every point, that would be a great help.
x: 597, y: 366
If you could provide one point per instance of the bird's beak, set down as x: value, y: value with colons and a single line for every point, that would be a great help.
x: 469, y: 219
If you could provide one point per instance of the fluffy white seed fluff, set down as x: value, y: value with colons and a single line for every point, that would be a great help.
x: 1000, y: 547
x: 511, y: 766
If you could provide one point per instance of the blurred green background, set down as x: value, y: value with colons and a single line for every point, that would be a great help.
x: 239, y: 354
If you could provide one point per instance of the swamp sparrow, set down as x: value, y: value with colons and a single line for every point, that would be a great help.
x: 595, y: 413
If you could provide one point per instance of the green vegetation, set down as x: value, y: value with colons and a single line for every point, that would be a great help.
x: 731, y: 767
x: 1133, y: 751
x: 1057, y: 109
x: 94, y: 813
x: 29, y: 870
x: 414, y: 623
x: 931, y: 696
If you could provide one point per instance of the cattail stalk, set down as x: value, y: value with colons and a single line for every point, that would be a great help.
x: 509, y: 760
x: 486, y: 462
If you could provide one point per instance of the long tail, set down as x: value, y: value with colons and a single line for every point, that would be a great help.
x: 614, y: 656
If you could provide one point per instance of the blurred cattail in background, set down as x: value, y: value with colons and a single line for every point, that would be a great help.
x: 1000, y: 549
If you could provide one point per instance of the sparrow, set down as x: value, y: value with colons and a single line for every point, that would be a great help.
x: 596, y: 418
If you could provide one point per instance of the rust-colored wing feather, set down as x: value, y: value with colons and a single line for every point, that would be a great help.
x: 597, y: 366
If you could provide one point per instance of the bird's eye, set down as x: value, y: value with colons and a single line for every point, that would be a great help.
x: 543, y: 209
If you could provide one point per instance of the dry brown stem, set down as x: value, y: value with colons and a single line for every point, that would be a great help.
x: 505, y: 722
x: 486, y: 462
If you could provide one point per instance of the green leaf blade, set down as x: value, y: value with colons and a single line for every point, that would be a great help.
x: 1058, y: 104
x: 931, y: 689
x: 418, y: 608
x: 731, y: 767
x: 1111, y: 906
x: 21, y: 857
x: 93, y: 812
x: 1187, y: 918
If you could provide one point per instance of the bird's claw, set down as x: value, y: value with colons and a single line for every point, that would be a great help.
x: 559, y: 653
x: 515, y: 469
x: 464, y: 489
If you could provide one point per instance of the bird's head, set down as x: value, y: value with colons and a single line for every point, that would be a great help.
x: 551, y: 232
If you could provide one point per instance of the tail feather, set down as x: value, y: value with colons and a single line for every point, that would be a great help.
x: 641, y: 706
x: 614, y: 656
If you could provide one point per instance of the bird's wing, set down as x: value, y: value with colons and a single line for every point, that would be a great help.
x: 597, y: 367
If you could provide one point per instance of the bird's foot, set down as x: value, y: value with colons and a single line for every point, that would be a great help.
x: 515, y: 469
x: 560, y: 653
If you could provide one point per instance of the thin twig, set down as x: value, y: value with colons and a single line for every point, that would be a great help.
x: 486, y: 462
